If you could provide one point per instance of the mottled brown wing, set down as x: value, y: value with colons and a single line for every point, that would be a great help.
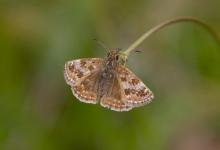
x: 80, y: 74
x: 134, y: 92
x: 113, y: 98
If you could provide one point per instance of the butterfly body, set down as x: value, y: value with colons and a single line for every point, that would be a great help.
x: 107, y: 74
x: 107, y: 81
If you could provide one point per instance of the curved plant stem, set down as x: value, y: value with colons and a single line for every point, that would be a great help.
x: 165, y: 24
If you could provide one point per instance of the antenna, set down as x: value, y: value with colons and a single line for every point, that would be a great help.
x: 101, y: 44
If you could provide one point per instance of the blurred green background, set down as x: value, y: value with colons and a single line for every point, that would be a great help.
x: 180, y: 64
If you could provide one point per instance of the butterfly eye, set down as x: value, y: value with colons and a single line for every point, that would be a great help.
x: 117, y: 57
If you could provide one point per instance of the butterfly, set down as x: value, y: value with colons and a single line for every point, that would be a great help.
x: 108, y: 81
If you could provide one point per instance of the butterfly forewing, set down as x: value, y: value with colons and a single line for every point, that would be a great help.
x: 81, y: 75
x: 134, y: 92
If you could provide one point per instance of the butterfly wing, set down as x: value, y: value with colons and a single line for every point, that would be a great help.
x: 113, y: 98
x: 134, y: 92
x: 80, y: 74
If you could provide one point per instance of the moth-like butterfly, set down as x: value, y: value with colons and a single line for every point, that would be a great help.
x: 107, y: 81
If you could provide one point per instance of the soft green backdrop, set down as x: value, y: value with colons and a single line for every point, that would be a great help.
x: 181, y: 65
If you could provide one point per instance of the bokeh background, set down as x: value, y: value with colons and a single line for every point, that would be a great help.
x: 180, y: 64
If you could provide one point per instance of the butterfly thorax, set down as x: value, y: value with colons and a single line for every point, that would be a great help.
x: 112, y: 60
x: 110, y: 64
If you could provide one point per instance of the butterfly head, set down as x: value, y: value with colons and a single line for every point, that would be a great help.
x: 113, y: 58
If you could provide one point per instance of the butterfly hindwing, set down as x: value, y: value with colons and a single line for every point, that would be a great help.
x: 113, y: 99
x: 86, y: 90
x: 134, y: 92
